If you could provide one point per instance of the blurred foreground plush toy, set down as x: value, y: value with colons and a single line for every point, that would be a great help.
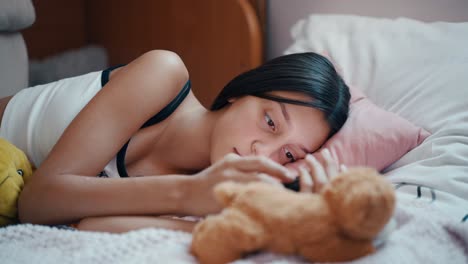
x: 15, y: 170
x: 337, y: 224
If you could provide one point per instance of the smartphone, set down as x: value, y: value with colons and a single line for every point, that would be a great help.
x: 294, y: 185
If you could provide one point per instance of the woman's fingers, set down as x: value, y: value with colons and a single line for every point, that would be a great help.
x: 335, y: 156
x: 268, y: 179
x: 305, y: 181
x: 333, y: 161
x: 261, y: 165
x: 318, y: 175
x: 331, y: 164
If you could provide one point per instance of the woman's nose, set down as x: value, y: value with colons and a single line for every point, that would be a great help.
x: 262, y: 149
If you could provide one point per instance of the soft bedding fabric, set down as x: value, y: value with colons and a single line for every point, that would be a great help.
x: 418, y: 71
x: 422, y: 235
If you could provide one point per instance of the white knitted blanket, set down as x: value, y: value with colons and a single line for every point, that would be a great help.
x: 422, y: 236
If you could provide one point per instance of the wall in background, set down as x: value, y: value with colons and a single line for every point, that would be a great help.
x: 217, y: 39
x: 59, y: 26
x: 281, y: 14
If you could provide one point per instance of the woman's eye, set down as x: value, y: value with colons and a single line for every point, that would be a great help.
x: 290, y: 156
x: 270, y: 122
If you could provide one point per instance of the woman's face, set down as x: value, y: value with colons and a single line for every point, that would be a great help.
x: 256, y: 126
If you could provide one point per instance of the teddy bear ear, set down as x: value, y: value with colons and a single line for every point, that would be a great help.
x: 226, y: 192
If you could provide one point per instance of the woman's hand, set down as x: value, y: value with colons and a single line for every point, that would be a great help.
x: 313, y: 176
x: 235, y: 168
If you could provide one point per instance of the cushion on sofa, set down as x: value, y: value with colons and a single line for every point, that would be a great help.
x: 16, y: 15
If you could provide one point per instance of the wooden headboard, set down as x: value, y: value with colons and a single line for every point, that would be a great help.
x: 216, y: 39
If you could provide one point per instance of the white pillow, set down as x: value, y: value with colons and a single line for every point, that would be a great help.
x: 418, y: 71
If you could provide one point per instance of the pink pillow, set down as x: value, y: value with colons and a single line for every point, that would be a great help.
x: 372, y: 136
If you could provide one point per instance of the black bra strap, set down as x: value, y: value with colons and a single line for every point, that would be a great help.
x: 121, y: 161
x: 163, y: 114
x: 106, y: 74
x: 170, y: 108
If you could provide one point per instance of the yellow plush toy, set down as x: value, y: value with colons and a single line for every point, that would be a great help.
x: 15, y: 170
x: 339, y: 223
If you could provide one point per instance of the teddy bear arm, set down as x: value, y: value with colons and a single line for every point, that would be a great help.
x: 226, y: 237
x: 226, y: 192
x: 337, y: 249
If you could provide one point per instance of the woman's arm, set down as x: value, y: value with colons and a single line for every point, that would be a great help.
x: 120, y: 224
x: 59, y: 191
x: 69, y: 198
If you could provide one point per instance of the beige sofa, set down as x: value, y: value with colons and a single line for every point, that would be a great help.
x: 15, y: 15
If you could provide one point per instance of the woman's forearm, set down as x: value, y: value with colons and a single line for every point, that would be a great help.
x: 120, y: 224
x: 69, y: 198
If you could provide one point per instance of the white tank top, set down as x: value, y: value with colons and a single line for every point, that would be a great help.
x: 36, y: 117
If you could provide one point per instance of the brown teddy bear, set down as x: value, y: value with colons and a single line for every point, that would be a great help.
x: 338, y: 223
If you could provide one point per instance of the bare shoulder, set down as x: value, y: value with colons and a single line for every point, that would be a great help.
x: 133, y: 94
x: 148, y: 68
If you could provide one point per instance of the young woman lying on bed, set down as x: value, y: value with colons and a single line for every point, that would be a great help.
x: 142, y: 120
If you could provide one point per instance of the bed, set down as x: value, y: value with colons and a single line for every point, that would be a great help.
x: 413, y: 67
